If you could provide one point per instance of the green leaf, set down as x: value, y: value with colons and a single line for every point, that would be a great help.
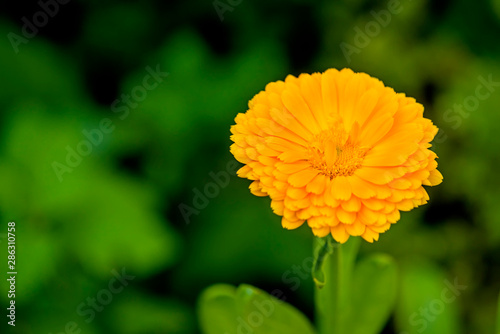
x: 217, y: 309
x: 324, y: 250
x: 374, y: 292
x: 265, y: 314
x: 226, y: 310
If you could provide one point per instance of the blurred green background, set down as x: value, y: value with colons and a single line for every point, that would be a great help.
x: 80, y: 222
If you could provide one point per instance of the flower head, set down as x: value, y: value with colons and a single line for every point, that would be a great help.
x: 336, y: 149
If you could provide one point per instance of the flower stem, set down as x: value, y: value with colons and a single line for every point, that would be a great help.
x: 332, y: 297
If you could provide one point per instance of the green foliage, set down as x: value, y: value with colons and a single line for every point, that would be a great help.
x: 374, y: 291
x: 217, y: 309
x: 498, y: 315
x: 225, y: 309
x: 119, y: 207
x: 432, y: 308
x: 138, y: 314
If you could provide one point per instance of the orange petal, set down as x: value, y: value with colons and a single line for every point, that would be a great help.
x: 356, y: 229
x: 374, y: 175
x: 292, y: 168
x: 345, y: 216
x: 296, y: 193
x: 405, y: 205
x: 360, y: 188
x: 283, y: 144
x: 341, y: 188
x: 284, y: 118
x: 303, y: 177
x: 374, y: 204
x: 277, y: 207
x: 274, y: 129
x: 316, y: 222
x: 310, y: 87
x: 292, y: 156
x: 352, y: 205
x: 294, y: 102
x: 339, y: 233
x: 329, y: 91
x: 378, y: 126
x: 321, y: 231
x: 434, y: 179
x: 329, y: 197
x: 353, y: 90
x: 365, y: 105
x: 381, y: 228
x: 291, y: 225
x: 367, y: 216
x: 393, y: 216
x: 256, y: 189
x: 370, y: 235
x: 400, y: 184
x: 318, y: 184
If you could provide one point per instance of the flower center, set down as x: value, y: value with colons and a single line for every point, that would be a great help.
x: 334, y: 153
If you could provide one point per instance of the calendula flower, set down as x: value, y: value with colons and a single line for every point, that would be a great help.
x: 336, y: 149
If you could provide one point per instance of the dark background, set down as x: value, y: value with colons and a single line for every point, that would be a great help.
x: 118, y: 207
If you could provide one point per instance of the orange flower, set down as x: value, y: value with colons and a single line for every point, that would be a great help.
x: 338, y: 150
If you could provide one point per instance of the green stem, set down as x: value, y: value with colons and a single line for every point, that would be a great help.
x: 341, y: 286
x: 332, y: 297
